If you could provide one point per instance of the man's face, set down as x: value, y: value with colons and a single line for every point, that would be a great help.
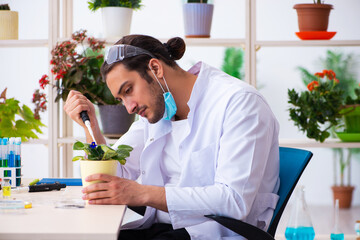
x: 138, y: 96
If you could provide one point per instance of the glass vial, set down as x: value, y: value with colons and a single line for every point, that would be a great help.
x: 336, y: 233
x: 299, y: 226
x: 6, y: 188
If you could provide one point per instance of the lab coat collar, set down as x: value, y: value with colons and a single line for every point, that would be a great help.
x: 201, y: 70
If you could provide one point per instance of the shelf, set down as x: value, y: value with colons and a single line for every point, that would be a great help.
x: 71, y: 140
x: 24, y: 43
x: 310, y: 143
x: 37, y: 141
x: 310, y: 43
x: 202, y: 42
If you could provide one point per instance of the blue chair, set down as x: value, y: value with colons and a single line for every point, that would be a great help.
x: 292, y: 164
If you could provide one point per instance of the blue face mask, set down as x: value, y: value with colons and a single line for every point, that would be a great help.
x: 170, y: 105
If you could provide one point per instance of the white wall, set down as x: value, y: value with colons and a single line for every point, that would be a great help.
x: 276, y: 20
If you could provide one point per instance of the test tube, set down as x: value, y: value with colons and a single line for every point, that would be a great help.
x: 11, y: 156
x: 18, y: 160
x: 5, y: 155
x: 1, y: 142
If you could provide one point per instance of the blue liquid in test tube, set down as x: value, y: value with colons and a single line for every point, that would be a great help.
x: 5, y: 155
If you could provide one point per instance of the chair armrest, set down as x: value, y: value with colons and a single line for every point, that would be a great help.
x: 242, y: 228
x: 139, y: 210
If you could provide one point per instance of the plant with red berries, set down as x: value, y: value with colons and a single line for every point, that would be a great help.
x: 76, y: 67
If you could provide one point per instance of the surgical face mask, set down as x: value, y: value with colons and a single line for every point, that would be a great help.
x: 170, y: 105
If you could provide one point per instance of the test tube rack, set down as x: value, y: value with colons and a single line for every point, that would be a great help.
x: 13, y: 177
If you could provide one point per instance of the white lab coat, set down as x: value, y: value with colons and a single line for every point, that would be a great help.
x: 229, y: 159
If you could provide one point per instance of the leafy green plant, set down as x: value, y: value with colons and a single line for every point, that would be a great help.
x: 16, y: 120
x: 344, y: 65
x: 233, y: 63
x: 102, y: 152
x: 96, y: 4
x: 317, y: 110
x: 78, y: 68
x: 4, y: 7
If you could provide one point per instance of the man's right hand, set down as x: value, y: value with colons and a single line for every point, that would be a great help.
x: 75, y: 103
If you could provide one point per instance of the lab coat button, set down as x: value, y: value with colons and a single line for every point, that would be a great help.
x: 143, y: 172
x: 151, y: 139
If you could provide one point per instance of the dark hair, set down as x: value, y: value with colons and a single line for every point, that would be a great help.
x: 168, y: 52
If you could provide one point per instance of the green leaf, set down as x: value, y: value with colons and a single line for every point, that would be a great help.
x: 78, y: 146
x: 77, y: 158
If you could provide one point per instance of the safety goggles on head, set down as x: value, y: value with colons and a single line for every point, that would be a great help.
x: 119, y: 52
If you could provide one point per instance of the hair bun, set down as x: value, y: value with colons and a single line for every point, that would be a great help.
x: 176, y: 47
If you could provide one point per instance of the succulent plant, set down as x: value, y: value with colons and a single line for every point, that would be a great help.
x: 4, y: 7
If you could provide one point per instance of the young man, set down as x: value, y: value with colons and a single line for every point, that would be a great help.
x: 205, y: 143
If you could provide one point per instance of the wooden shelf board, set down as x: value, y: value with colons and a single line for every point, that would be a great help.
x: 202, y: 42
x: 310, y: 143
x: 24, y: 43
x: 309, y: 43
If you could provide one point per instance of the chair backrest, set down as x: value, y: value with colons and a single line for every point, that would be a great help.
x: 292, y: 164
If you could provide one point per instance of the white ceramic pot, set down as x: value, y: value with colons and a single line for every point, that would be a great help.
x: 9, y: 25
x: 89, y: 167
x: 116, y: 21
x: 197, y: 19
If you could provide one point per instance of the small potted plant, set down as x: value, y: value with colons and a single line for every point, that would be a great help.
x: 116, y: 15
x: 198, y: 18
x: 9, y: 23
x: 100, y: 159
x: 78, y: 68
x: 313, y: 17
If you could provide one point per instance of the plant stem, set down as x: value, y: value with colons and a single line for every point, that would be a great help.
x: 348, y: 163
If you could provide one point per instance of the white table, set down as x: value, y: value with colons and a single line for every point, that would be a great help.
x: 44, y: 222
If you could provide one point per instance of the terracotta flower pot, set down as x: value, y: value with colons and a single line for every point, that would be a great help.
x: 313, y: 17
x: 344, y: 194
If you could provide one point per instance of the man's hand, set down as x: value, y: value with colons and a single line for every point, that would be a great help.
x: 118, y: 191
x: 75, y: 103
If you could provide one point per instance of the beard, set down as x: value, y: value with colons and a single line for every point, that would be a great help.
x: 158, y: 104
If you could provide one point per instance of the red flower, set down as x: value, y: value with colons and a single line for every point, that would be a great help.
x: 44, y: 80
x: 319, y: 74
x: 311, y: 86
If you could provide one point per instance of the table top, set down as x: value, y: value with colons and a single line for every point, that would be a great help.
x: 45, y: 221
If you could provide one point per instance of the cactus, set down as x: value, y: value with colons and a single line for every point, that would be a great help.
x: 4, y: 7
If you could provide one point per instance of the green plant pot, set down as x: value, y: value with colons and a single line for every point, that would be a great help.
x: 352, y: 118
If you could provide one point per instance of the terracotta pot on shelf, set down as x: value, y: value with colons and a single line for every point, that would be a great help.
x: 344, y: 194
x: 313, y: 17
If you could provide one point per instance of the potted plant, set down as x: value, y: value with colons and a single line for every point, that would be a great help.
x: 100, y: 159
x: 9, y: 23
x: 16, y: 120
x: 197, y: 18
x: 313, y: 17
x: 78, y: 68
x: 116, y: 15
